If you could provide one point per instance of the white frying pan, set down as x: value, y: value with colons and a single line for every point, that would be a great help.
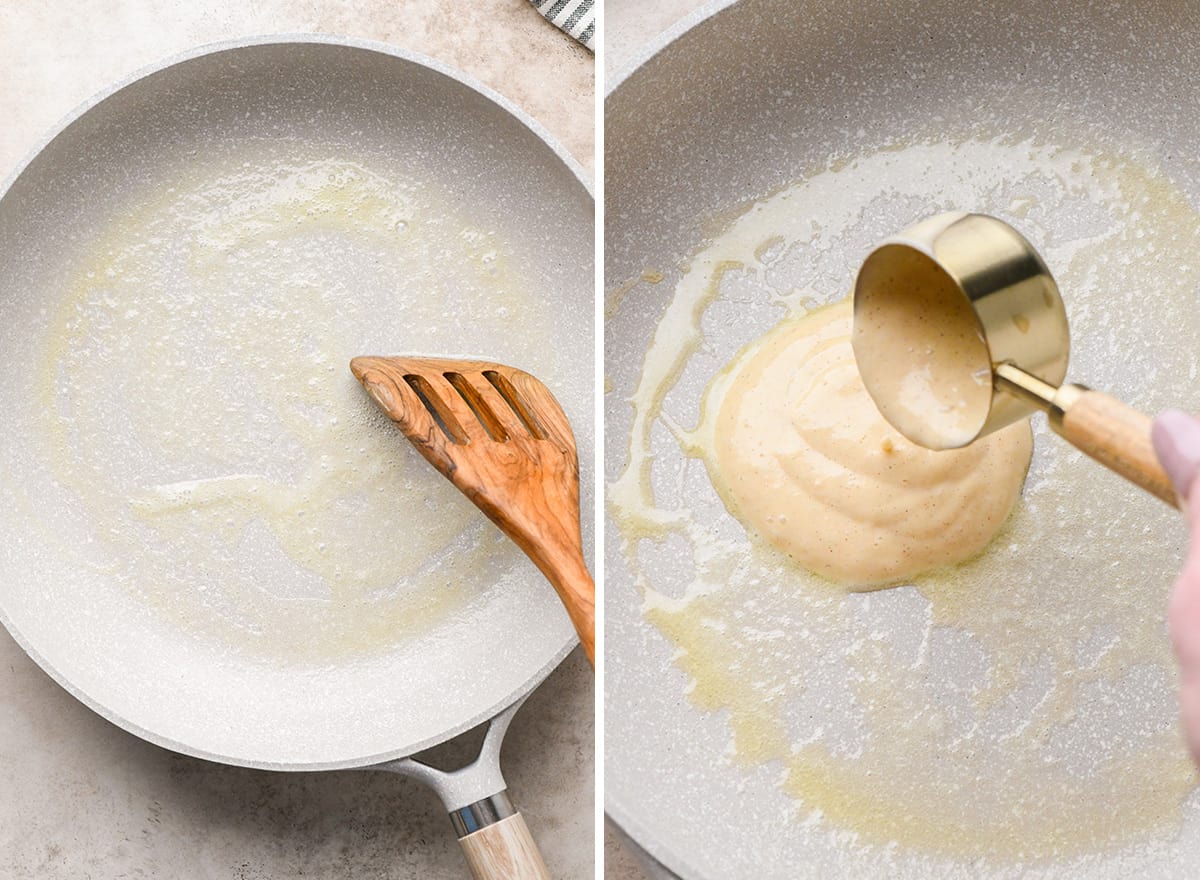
x: 189, y: 263
x: 844, y: 122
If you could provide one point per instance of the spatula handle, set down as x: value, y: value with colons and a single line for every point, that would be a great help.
x: 1117, y: 436
x: 573, y: 582
x: 504, y: 850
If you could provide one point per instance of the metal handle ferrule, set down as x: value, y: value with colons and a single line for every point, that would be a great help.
x: 481, y: 814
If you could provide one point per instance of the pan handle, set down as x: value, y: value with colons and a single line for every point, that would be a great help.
x: 494, y: 837
x: 503, y: 850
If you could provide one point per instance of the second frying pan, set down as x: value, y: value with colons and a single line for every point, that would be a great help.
x: 758, y: 724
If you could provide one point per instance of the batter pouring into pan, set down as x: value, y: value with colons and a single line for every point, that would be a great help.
x: 801, y: 455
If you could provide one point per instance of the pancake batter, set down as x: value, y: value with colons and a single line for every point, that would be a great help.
x: 912, y: 346
x: 801, y: 455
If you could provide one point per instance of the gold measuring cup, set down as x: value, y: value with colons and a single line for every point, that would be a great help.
x: 959, y: 330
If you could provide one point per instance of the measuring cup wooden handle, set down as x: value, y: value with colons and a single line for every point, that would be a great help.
x: 1117, y: 436
x: 504, y: 851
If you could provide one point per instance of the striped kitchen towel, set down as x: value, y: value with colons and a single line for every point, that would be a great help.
x: 575, y: 17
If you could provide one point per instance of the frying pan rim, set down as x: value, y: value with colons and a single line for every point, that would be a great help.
x: 216, y: 48
x: 649, y: 50
x: 652, y: 847
x: 526, y: 688
x: 664, y: 859
x: 300, y: 38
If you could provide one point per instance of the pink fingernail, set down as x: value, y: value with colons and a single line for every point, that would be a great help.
x: 1176, y: 437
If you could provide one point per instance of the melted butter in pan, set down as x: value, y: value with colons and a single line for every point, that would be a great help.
x: 197, y: 404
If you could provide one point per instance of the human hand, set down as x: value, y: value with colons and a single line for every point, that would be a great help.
x: 1176, y: 437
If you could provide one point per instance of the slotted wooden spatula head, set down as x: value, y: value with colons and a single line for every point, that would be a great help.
x: 498, y: 434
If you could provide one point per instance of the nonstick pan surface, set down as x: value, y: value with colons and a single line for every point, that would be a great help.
x: 189, y: 265
x: 753, y: 157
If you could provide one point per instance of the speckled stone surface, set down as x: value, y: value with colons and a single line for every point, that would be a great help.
x: 80, y: 798
x: 629, y: 26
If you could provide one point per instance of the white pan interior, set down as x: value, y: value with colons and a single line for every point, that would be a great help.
x: 209, y: 535
x: 776, y: 142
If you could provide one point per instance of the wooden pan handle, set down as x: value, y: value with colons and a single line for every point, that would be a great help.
x: 504, y: 850
x: 1117, y: 436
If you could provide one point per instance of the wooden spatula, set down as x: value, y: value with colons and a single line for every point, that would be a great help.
x: 498, y: 434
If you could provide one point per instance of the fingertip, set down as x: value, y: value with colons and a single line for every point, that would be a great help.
x: 1176, y: 439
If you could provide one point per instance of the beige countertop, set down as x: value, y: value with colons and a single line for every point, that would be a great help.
x: 629, y: 25
x: 80, y: 798
x: 55, y: 55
